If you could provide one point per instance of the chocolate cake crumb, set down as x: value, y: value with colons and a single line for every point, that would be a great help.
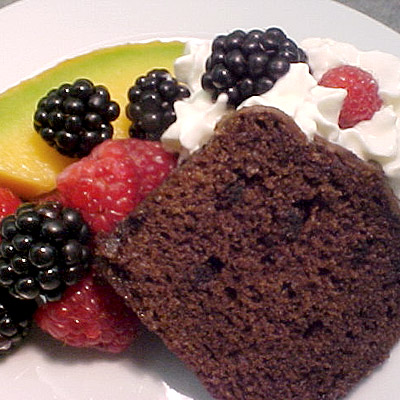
x: 268, y: 263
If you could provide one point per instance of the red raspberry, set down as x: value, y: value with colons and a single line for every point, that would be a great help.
x: 362, y: 100
x: 90, y: 314
x: 104, y: 186
x: 113, y: 179
x: 9, y: 202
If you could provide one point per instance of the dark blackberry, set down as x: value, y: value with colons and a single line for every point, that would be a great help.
x: 151, y: 104
x: 76, y: 117
x: 15, y: 320
x: 43, y: 249
x: 246, y: 64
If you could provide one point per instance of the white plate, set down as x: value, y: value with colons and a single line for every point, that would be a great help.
x: 36, y: 34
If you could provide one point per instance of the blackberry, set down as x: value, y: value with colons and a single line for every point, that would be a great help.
x: 76, y: 117
x: 151, y: 104
x: 246, y: 64
x: 15, y: 320
x: 43, y: 249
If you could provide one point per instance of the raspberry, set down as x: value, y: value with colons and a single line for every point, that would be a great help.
x: 362, y: 100
x: 9, y: 202
x: 113, y: 179
x: 90, y: 314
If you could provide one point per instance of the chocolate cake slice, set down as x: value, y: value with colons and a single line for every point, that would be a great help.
x: 269, y: 264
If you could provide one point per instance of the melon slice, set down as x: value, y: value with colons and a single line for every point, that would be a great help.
x: 29, y: 166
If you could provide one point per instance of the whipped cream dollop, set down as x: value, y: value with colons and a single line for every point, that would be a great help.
x: 314, y: 108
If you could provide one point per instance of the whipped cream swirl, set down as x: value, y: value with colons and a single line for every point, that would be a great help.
x: 314, y: 108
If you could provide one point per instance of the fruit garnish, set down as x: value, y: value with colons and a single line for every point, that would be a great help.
x: 105, y: 186
x: 246, y: 64
x: 54, y: 195
x: 15, y: 314
x: 9, y: 202
x: 362, y: 100
x: 75, y: 118
x: 42, y: 250
x: 15, y: 320
x: 151, y: 102
x: 90, y: 314
x: 113, y: 179
x: 28, y: 165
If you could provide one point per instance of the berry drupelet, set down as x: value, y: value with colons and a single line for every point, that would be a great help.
x: 76, y: 117
x: 90, y: 314
x: 246, y: 64
x: 151, y: 104
x: 15, y: 320
x: 362, y: 100
x: 42, y: 251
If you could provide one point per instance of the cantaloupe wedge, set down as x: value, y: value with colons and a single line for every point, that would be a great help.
x: 28, y: 165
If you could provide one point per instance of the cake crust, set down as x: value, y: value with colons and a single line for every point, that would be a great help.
x: 269, y: 264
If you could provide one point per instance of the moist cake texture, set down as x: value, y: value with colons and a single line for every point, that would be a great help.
x: 269, y: 264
